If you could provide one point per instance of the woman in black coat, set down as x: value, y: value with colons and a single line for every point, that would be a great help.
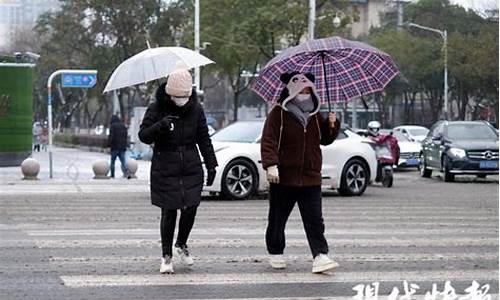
x: 176, y: 125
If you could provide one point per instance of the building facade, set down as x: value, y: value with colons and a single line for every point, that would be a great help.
x: 16, y: 15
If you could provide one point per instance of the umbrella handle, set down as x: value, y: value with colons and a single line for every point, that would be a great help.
x: 322, y: 54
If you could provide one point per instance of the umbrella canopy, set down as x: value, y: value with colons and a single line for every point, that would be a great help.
x: 343, y: 69
x: 154, y: 63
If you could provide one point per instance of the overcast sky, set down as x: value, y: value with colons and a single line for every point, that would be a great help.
x: 477, y: 4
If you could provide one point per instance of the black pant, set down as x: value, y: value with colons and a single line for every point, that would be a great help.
x: 281, y: 202
x: 167, y: 227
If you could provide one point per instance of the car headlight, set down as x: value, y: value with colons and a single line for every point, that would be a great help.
x: 460, y: 153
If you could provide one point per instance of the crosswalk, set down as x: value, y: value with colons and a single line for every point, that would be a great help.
x: 63, y: 247
x: 268, y: 278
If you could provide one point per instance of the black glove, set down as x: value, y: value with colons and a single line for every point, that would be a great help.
x: 167, y: 122
x: 210, y: 176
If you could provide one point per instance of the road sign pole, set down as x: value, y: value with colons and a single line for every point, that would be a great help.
x: 49, y: 105
x: 49, y: 121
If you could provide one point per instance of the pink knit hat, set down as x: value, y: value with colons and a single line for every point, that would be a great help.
x: 179, y: 83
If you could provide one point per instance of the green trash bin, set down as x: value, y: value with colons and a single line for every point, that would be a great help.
x: 16, y: 112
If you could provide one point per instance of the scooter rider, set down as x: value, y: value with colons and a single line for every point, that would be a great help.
x: 374, y: 128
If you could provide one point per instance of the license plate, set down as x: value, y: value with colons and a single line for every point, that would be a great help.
x: 412, y: 162
x: 488, y: 164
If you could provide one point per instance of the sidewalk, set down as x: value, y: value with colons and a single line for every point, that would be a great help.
x: 72, y: 173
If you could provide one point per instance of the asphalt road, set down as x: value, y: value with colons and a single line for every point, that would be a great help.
x: 100, y: 240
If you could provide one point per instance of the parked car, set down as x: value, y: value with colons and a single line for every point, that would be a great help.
x: 409, y: 151
x: 412, y: 132
x: 349, y: 164
x: 460, y: 148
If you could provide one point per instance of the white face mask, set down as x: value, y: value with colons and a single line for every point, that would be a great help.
x: 303, y: 97
x: 180, y: 101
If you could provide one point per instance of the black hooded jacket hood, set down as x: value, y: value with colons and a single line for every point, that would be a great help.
x: 115, y: 119
x: 166, y: 103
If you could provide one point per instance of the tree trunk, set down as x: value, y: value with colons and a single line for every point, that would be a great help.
x: 465, y: 103
x: 87, y: 117
x: 405, y: 107
x: 423, y: 120
x: 497, y: 113
x: 235, y: 104
x: 122, y: 105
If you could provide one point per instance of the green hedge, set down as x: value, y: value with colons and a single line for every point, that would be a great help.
x: 88, y: 140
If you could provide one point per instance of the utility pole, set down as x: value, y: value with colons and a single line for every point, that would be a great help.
x: 444, y: 35
x: 197, y: 42
x: 354, y: 104
x: 445, y: 46
x: 312, y: 17
x: 400, y: 15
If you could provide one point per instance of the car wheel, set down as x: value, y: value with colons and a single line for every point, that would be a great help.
x: 448, y: 177
x: 355, y: 177
x: 239, y: 180
x: 424, y: 172
x: 388, y: 181
x: 481, y: 176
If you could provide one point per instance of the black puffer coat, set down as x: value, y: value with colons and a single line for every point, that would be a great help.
x: 176, y: 171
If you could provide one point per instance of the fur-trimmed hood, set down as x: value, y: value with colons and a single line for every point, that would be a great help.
x: 296, y: 82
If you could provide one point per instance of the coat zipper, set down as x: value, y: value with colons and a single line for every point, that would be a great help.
x: 303, y: 147
x: 303, y: 157
x: 181, y: 179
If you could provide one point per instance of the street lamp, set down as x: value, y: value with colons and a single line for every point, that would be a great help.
x: 444, y: 35
x: 197, y: 47
x: 336, y: 21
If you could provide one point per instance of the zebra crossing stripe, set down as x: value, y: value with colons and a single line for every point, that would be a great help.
x: 78, y: 281
x: 236, y: 242
x: 371, y: 257
x: 247, y: 231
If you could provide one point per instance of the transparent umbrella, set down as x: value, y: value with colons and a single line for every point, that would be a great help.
x: 152, y: 64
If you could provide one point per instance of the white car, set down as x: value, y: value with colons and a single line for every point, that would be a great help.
x: 410, y: 150
x: 349, y: 164
x: 211, y: 130
x: 412, y: 132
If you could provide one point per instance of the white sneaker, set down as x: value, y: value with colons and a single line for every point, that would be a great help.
x: 183, y: 253
x: 277, y: 261
x: 166, y: 265
x: 323, y: 263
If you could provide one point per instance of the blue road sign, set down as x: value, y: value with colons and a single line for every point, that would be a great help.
x: 79, y: 80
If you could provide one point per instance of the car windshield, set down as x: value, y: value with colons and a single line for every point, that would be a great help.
x: 400, y: 136
x: 418, y: 131
x: 470, y: 132
x: 239, y: 132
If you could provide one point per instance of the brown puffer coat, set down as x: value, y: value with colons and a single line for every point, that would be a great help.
x: 295, y: 149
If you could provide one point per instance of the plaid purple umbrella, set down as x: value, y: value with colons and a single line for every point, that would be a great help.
x: 343, y: 69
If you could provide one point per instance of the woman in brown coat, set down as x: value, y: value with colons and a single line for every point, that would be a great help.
x: 291, y: 155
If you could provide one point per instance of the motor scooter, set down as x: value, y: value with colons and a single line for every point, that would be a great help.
x: 387, y: 154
